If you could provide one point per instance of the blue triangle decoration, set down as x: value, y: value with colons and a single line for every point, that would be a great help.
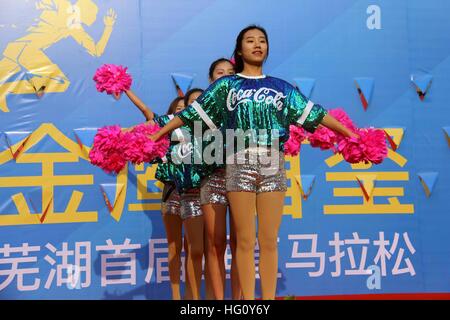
x: 109, y: 193
x: 13, y: 137
x: 401, y: 137
x: 307, y: 184
x: 182, y: 81
x: 34, y: 199
x: 85, y: 136
x: 366, y: 86
x: 305, y: 85
x: 447, y: 134
x: 428, y: 180
x: 422, y: 81
x: 447, y: 131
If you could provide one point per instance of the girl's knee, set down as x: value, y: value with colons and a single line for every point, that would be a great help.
x: 267, y: 243
x: 196, y: 252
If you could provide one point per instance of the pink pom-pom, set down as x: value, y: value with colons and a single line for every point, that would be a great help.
x: 294, y: 143
x: 323, y: 138
x: 373, y: 145
x: 108, y: 150
x: 351, y: 150
x: 140, y: 148
x: 112, y: 79
x: 370, y: 147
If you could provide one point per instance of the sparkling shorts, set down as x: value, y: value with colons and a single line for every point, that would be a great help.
x: 254, y: 171
x: 190, y: 204
x: 213, y: 189
x: 170, y: 203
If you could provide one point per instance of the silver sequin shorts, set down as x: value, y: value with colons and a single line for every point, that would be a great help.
x: 254, y: 171
x: 190, y: 204
x: 170, y: 203
x: 213, y: 189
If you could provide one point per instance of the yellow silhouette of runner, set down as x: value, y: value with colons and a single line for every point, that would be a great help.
x: 60, y: 19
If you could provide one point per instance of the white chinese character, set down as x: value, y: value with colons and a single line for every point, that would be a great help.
x: 14, y: 271
x: 125, y: 269
x: 70, y: 273
x: 312, y: 254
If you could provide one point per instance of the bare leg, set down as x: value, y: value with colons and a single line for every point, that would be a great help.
x: 188, y: 291
x: 208, y: 286
x: 173, y: 224
x: 270, y: 210
x: 236, y: 292
x: 215, y: 229
x: 243, y: 207
x: 194, y: 232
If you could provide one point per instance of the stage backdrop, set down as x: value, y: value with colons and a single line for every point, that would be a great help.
x: 70, y: 231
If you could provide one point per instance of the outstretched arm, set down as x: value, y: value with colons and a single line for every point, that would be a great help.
x: 146, y: 111
x: 173, y: 124
x: 332, y: 124
x: 84, y: 39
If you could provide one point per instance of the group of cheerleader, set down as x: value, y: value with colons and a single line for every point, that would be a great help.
x: 197, y: 202
x: 198, y: 196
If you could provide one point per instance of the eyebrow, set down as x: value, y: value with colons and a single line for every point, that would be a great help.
x: 248, y: 37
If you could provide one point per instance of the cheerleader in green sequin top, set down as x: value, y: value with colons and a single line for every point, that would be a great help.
x: 250, y: 100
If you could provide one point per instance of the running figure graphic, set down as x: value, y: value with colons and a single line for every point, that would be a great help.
x: 59, y: 19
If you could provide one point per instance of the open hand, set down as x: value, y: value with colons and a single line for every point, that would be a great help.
x: 110, y: 18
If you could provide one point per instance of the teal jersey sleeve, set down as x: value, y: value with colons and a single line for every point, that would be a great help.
x: 301, y: 111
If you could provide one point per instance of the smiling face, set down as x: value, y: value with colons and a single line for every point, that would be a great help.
x: 254, y: 47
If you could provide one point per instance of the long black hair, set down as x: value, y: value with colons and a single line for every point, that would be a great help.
x: 239, y: 63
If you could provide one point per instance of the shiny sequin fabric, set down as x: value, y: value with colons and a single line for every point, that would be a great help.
x: 182, y: 167
x: 264, y: 105
x: 213, y: 189
x: 190, y: 204
x: 256, y: 171
x: 170, y: 203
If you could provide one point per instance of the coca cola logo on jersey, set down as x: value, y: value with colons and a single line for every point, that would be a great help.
x: 262, y: 95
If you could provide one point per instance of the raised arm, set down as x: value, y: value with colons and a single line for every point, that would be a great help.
x: 146, y: 111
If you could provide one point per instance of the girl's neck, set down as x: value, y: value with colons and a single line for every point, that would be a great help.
x: 252, y: 70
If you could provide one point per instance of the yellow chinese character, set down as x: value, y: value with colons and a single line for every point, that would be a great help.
x: 142, y: 193
x: 368, y: 189
x: 293, y: 192
x: 48, y: 181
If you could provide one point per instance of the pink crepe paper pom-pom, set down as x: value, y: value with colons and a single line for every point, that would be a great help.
x: 107, y: 150
x: 112, y: 79
x: 140, y: 148
x: 370, y: 147
x: 294, y: 143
